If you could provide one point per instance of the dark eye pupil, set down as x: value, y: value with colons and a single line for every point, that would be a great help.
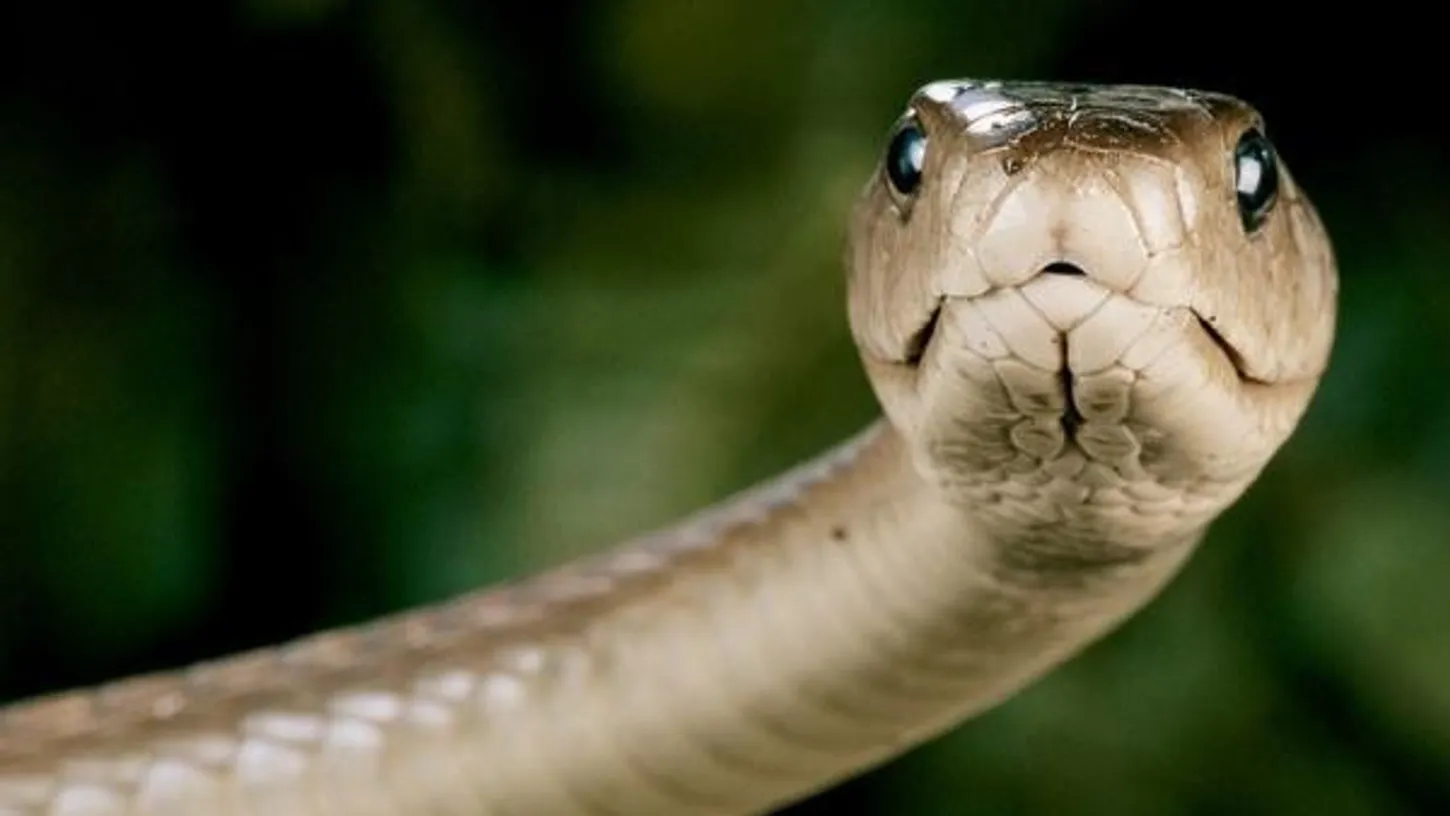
x: 1256, y: 178
x: 905, y: 157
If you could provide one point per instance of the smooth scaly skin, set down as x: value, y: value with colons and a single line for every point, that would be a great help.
x: 1053, y: 446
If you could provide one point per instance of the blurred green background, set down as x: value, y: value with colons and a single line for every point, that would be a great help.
x: 314, y: 309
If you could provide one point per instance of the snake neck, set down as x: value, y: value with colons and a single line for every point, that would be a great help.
x: 829, y: 619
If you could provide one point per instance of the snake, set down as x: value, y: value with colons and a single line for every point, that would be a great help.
x: 1091, y: 314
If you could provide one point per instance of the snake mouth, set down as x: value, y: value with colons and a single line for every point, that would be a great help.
x: 918, y: 341
x: 1235, y: 358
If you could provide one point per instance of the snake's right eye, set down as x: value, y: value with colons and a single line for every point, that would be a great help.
x: 906, y: 156
x: 1256, y: 178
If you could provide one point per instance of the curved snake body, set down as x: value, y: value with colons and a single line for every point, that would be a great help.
x: 1091, y: 315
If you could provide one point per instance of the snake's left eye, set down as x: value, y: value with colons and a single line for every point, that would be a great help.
x: 906, y: 156
x: 1256, y: 178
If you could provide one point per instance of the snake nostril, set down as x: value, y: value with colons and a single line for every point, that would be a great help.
x: 1061, y: 268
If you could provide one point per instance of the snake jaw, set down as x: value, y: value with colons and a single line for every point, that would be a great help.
x: 1234, y: 356
x: 921, y: 338
x: 1063, y: 269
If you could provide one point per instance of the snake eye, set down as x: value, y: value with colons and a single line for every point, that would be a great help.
x: 905, y: 157
x: 1256, y: 178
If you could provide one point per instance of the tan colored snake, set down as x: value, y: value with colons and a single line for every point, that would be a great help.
x: 1091, y: 314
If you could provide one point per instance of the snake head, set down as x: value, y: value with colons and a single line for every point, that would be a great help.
x: 1073, y: 300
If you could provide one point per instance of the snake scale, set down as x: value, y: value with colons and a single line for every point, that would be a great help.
x: 1091, y: 315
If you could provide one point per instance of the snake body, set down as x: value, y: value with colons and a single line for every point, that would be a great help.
x: 1091, y: 315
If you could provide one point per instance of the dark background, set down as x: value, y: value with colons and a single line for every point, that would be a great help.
x: 311, y: 310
